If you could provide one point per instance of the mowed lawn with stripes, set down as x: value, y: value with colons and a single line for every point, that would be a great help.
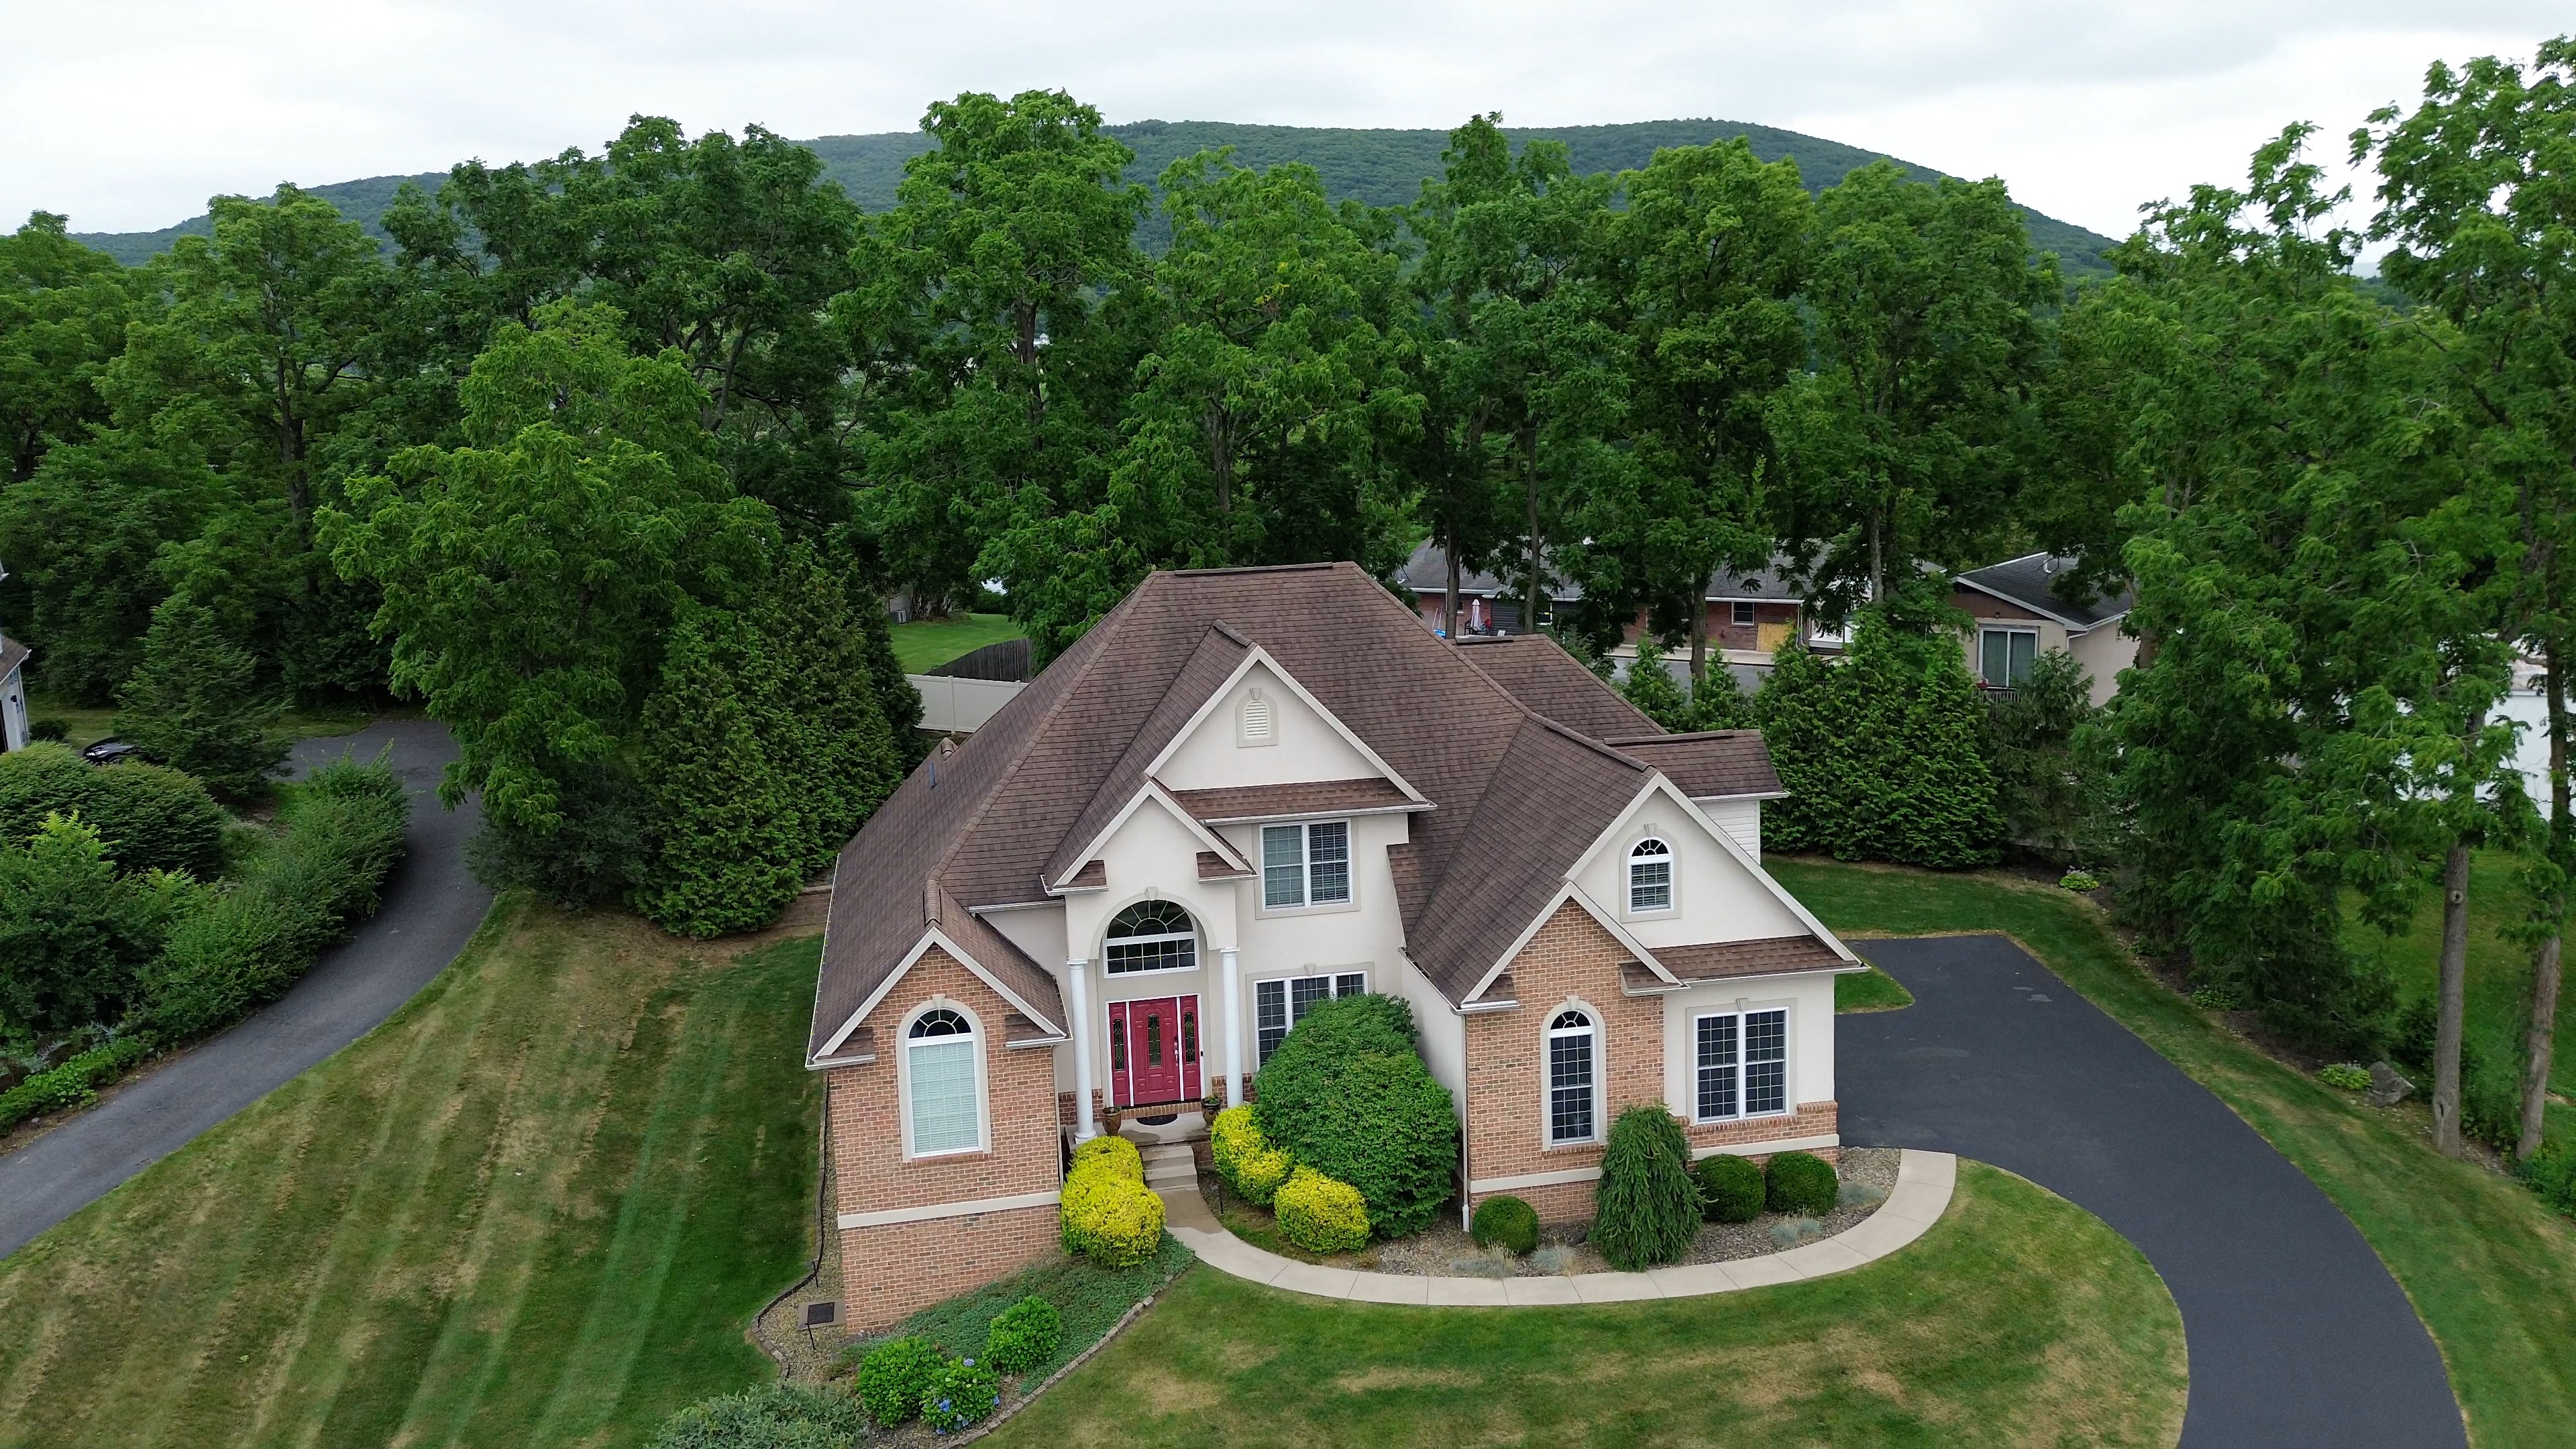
x: 536, y: 1207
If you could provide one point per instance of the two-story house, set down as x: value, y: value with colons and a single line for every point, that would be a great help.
x: 1245, y: 791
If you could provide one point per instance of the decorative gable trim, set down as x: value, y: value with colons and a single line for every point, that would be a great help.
x: 1261, y: 657
x: 1209, y: 840
x: 1659, y: 783
x: 832, y: 1054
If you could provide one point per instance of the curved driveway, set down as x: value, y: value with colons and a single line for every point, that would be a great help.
x: 431, y: 907
x: 2297, y: 1334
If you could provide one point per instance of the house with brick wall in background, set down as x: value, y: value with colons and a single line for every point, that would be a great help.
x: 1747, y: 617
x: 1246, y: 791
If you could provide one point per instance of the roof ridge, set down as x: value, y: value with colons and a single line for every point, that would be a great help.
x: 1288, y: 568
x: 1671, y: 735
x: 1588, y: 742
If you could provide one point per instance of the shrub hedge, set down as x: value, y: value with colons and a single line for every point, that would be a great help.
x: 1646, y: 1210
x: 343, y: 832
x: 1023, y: 1335
x: 1506, y: 1223
x: 1109, y: 1217
x: 1801, y: 1183
x: 1731, y: 1186
x: 147, y: 818
x: 1348, y: 1095
x: 772, y: 1416
x: 893, y: 1377
x: 1321, y: 1215
x: 1244, y: 1158
x: 72, y: 1083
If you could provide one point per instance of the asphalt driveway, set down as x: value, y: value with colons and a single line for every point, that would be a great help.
x: 2297, y: 1334
x: 431, y: 907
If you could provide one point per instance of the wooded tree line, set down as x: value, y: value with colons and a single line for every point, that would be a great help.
x: 568, y: 458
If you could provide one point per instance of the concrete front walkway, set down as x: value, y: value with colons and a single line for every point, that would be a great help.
x: 1923, y: 1184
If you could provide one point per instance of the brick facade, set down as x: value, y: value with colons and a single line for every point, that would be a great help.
x: 1571, y: 961
x: 892, y: 1269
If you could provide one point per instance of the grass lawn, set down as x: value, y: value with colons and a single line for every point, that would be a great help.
x: 933, y: 642
x: 537, y: 1207
x: 1870, y: 990
x: 2018, y: 1319
x: 91, y: 723
x: 2492, y: 1270
x: 2499, y: 994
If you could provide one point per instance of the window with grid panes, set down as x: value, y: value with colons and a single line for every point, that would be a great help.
x: 1305, y: 865
x: 1569, y: 1078
x: 1743, y: 1064
x: 1282, y: 1001
x: 939, y: 1059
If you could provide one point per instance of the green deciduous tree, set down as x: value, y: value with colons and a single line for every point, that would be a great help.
x: 63, y: 310
x: 75, y: 934
x: 195, y: 703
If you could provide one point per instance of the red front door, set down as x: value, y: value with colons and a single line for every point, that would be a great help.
x: 1154, y: 1050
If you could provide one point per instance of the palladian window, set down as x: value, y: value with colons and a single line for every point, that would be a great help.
x: 1650, y: 876
x: 1152, y: 936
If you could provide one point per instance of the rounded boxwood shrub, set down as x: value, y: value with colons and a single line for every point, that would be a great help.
x: 1322, y: 1215
x: 1244, y: 1158
x: 893, y: 1377
x: 1505, y: 1222
x: 1731, y: 1186
x: 1347, y: 1095
x: 1115, y: 1221
x: 960, y: 1394
x: 1117, y: 1153
x: 1023, y: 1335
x: 1801, y: 1183
x: 1646, y: 1210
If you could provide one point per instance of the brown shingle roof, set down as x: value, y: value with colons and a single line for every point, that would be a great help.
x: 12, y: 654
x: 1538, y: 672
x: 1709, y: 764
x: 1213, y: 866
x: 1317, y: 797
x: 1766, y: 957
x: 1518, y: 798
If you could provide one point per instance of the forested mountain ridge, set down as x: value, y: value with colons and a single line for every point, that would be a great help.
x: 1382, y: 167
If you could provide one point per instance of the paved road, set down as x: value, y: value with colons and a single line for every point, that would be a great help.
x: 2297, y: 1334
x: 430, y: 910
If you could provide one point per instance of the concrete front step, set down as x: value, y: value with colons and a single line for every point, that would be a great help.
x: 1170, y: 1164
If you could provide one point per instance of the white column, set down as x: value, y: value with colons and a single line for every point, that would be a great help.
x: 1078, y: 976
x: 1234, y: 1078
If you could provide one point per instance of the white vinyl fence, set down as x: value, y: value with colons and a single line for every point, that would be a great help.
x: 960, y: 706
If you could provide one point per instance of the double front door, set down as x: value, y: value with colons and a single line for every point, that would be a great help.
x: 1154, y: 1050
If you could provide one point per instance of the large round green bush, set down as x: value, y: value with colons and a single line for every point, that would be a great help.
x: 1646, y: 1210
x: 1354, y: 1101
x: 1731, y: 1186
x: 893, y: 1377
x: 147, y: 818
x: 1023, y: 1335
x: 1801, y: 1182
x: 1506, y: 1223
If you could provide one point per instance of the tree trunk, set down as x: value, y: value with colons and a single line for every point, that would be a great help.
x: 1537, y: 549
x: 1699, y: 637
x: 1449, y: 619
x: 2455, y: 975
x: 2541, y: 1037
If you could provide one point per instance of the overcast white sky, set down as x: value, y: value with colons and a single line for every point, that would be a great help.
x: 129, y: 115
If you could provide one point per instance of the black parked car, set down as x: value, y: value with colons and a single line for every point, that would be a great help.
x: 112, y: 752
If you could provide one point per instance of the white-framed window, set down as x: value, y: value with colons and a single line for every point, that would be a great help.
x: 1305, y: 865
x: 2005, y: 657
x: 1650, y: 876
x: 1572, y: 1071
x: 1151, y: 936
x: 1744, y: 613
x: 1743, y: 1064
x: 943, y: 1087
x: 1282, y: 1001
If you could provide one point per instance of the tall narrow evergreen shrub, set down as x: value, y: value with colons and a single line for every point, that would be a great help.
x: 1647, y: 1209
x: 195, y: 704
x: 726, y: 840
x: 1883, y: 753
x: 830, y: 740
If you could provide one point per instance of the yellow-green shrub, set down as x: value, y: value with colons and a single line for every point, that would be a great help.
x: 1244, y: 1158
x: 1321, y: 1215
x: 1113, y: 1220
x: 1117, y: 1154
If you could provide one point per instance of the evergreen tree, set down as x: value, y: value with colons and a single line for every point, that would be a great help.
x: 897, y: 700
x: 724, y: 832
x: 1719, y: 703
x: 1883, y: 754
x: 193, y: 703
x: 1650, y: 687
x: 828, y: 730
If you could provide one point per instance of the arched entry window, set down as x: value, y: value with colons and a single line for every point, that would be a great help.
x: 1569, y: 1077
x: 1650, y: 876
x: 939, y: 1074
x: 1151, y: 936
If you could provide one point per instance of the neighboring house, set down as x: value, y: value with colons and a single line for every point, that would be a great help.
x: 1750, y: 616
x: 13, y: 691
x: 2018, y: 618
x: 1246, y: 791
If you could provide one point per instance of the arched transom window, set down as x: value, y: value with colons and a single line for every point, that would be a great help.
x: 1650, y: 876
x: 939, y: 1072
x: 1152, y: 936
x: 1569, y: 1077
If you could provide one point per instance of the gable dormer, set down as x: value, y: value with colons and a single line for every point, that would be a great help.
x: 1261, y: 728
